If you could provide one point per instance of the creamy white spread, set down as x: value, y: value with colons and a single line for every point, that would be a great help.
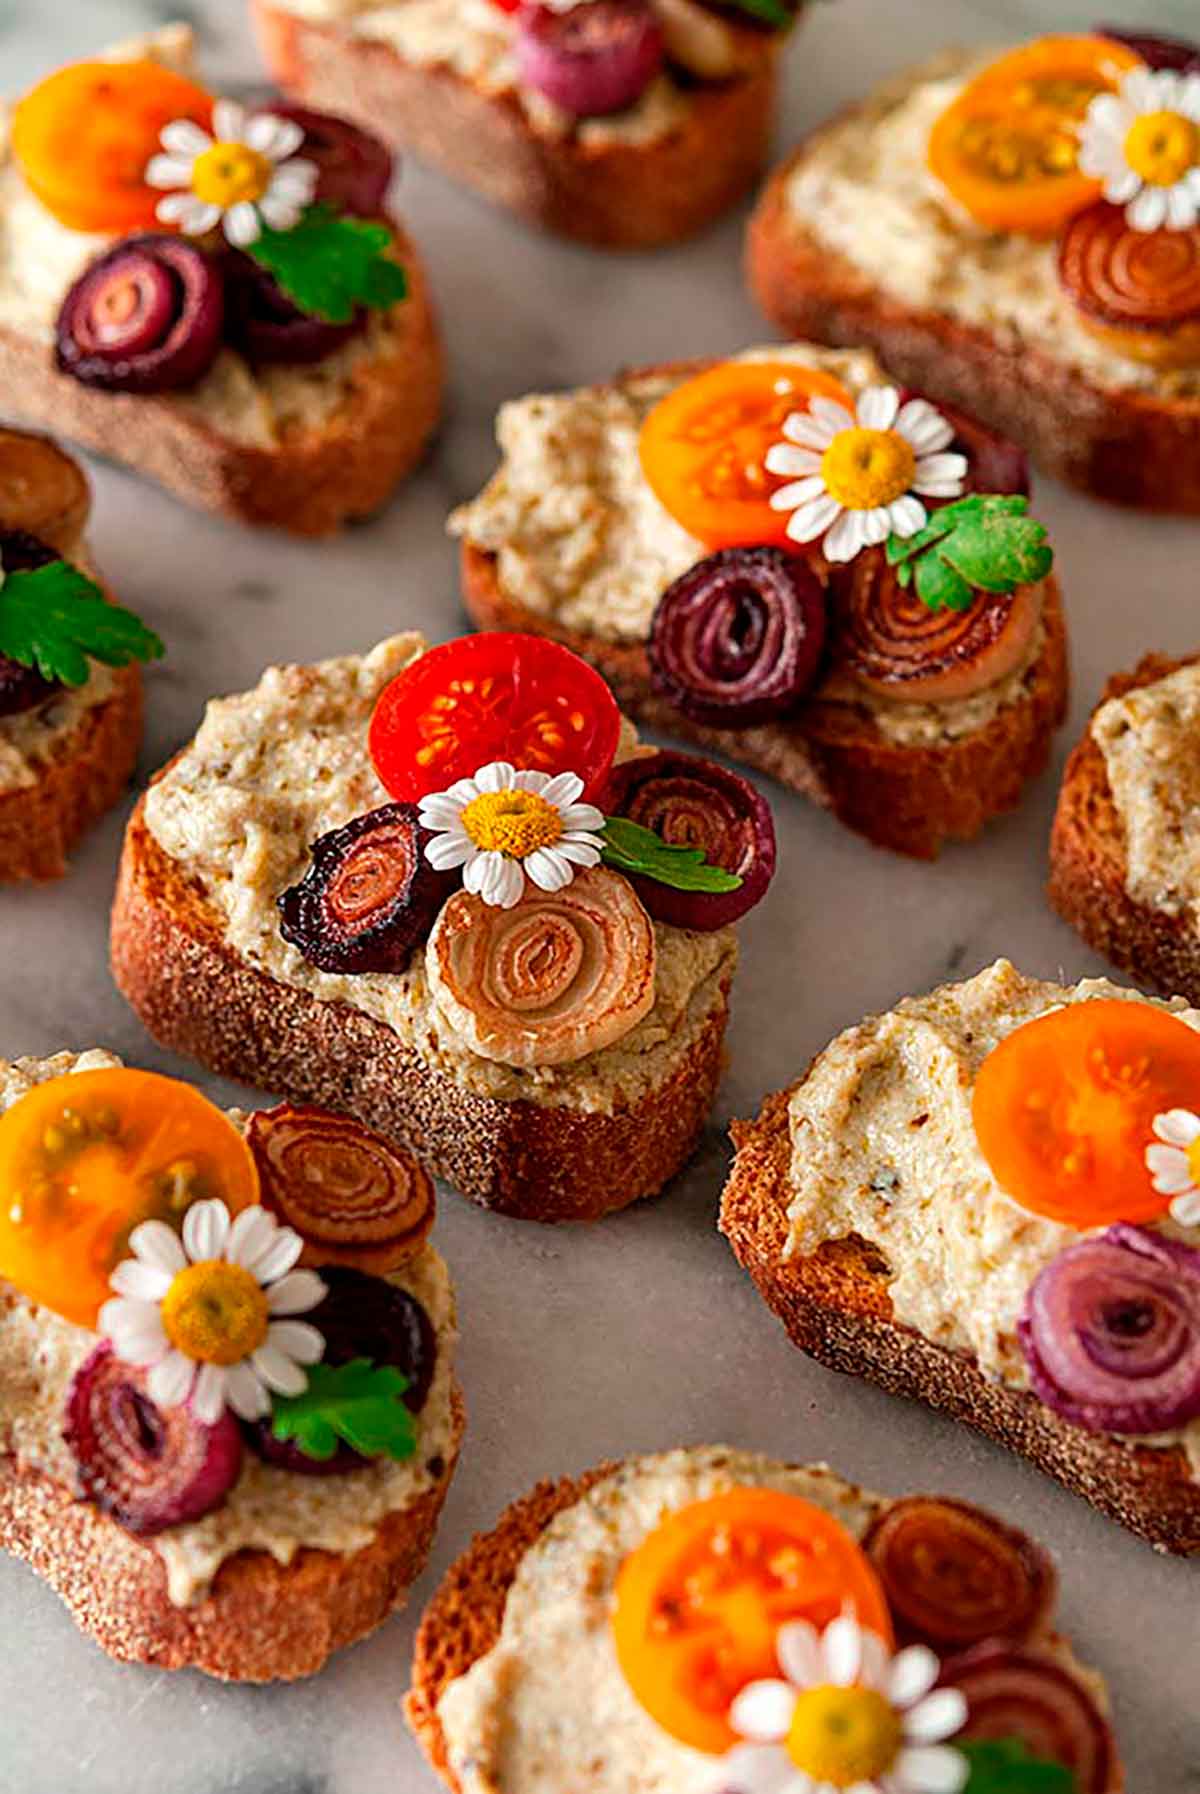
x: 884, y: 1149
x: 271, y: 770
x: 267, y: 1509
x: 580, y: 536
x: 35, y: 740
x: 1150, y: 739
x: 863, y: 187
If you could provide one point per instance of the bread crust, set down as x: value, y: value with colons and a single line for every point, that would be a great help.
x: 835, y: 1306
x: 611, y: 195
x: 314, y: 480
x: 197, y: 996
x: 1089, y: 865
x: 1124, y: 446
x: 910, y: 799
x: 261, y: 1621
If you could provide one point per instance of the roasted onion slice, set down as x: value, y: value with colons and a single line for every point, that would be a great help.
x: 954, y: 1575
x: 42, y: 490
x: 559, y: 976
x: 692, y: 802
x: 1031, y: 1697
x: 145, y: 317
x: 1137, y: 290
x: 896, y: 647
x: 354, y: 1199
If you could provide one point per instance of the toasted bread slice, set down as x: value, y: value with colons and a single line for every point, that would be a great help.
x: 1089, y: 865
x: 615, y: 193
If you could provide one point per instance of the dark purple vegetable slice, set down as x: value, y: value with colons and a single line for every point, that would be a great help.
x: 692, y: 802
x: 146, y: 317
x: 1157, y: 52
x: 737, y: 640
x: 368, y: 898
x: 149, y: 1467
x: 23, y: 688
x: 1111, y: 1332
x: 994, y: 463
x: 593, y: 59
x: 262, y: 324
x: 355, y: 167
x: 1029, y: 1697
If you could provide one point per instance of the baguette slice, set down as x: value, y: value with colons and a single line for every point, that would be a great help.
x: 615, y: 195
x: 836, y: 1307
x: 1089, y: 865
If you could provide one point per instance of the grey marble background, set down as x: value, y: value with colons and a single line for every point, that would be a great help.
x: 640, y: 1333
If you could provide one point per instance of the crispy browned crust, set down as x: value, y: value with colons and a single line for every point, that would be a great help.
x: 911, y: 799
x: 262, y: 1621
x: 613, y: 195
x: 41, y: 823
x: 312, y: 482
x: 1089, y: 865
x: 198, y: 997
x: 835, y: 1306
x: 1121, y: 445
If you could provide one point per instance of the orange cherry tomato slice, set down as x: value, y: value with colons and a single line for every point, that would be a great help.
x: 702, y: 448
x: 1008, y: 147
x: 84, y: 136
x: 85, y: 1158
x: 481, y: 698
x: 1064, y: 1108
x: 700, y: 1603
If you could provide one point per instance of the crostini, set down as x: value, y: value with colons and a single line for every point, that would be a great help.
x: 713, y: 1619
x: 979, y: 1199
x: 622, y: 123
x: 444, y: 891
x: 228, y: 1412
x: 70, y: 684
x: 786, y: 559
x: 213, y: 296
x: 1021, y: 235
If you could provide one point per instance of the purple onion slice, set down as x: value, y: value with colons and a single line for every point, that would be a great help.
x: 1030, y: 1697
x: 355, y: 167
x: 262, y: 324
x: 1157, y: 52
x: 146, y: 317
x: 23, y: 688
x: 1111, y: 1332
x: 593, y: 59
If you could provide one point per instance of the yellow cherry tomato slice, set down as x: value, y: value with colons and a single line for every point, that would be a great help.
x: 1064, y: 1108
x: 700, y: 1603
x: 1008, y: 147
x: 703, y: 448
x: 85, y: 1158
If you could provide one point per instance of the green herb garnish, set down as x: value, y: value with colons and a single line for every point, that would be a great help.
x: 329, y: 265
x: 1004, y: 1766
x: 55, y: 619
x: 631, y: 848
x: 983, y: 543
x: 358, y: 1403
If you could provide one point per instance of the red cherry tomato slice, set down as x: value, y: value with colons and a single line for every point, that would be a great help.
x: 493, y: 697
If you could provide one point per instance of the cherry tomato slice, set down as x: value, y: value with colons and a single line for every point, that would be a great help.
x: 85, y: 1158
x: 481, y: 698
x: 702, y: 448
x: 1064, y: 1108
x: 700, y: 1603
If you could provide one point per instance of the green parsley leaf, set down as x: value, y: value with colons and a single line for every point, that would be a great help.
x: 628, y: 847
x: 982, y: 543
x: 329, y: 265
x: 357, y: 1402
x: 771, y: 12
x: 55, y: 618
x: 1004, y: 1766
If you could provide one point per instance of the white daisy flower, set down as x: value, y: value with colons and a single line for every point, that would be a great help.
x: 1143, y: 142
x: 503, y: 827
x: 1174, y: 1166
x: 210, y: 1313
x: 245, y: 175
x: 857, y: 475
x: 846, y: 1715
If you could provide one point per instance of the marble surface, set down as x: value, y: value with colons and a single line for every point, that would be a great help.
x: 640, y: 1333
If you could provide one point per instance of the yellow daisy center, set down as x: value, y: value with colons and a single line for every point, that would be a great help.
x: 226, y: 174
x: 215, y: 1313
x: 512, y: 822
x: 865, y: 468
x: 840, y: 1736
x: 1160, y: 147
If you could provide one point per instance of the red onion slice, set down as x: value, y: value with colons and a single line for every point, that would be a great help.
x: 994, y: 463
x: 145, y: 317
x: 598, y: 57
x: 1158, y: 52
x: 1031, y: 1698
x: 354, y: 167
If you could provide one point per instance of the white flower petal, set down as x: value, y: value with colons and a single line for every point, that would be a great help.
x: 297, y: 1340
x: 170, y: 1380
x: 295, y: 1293
x: 145, y: 1283
x: 841, y: 1648
x: 759, y: 1769
x: 876, y: 524
x: 809, y: 432
x: 510, y: 883
x: 159, y: 1245
x: 185, y: 139
x: 845, y: 539
x: 475, y: 871
x: 498, y: 776
x: 930, y: 1769
x: 277, y: 1370
x: 135, y: 1329
x: 548, y: 869
x: 785, y: 458
x: 296, y: 181
x: 441, y: 809
x: 939, y: 1716
x: 280, y: 212
x: 913, y: 1673
x: 273, y: 136
x: 799, y: 492
x: 581, y: 818
x: 763, y: 1711
x: 242, y: 224
x: 798, y: 1649
x: 908, y: 515
x: 229, y: 122
x: 1185, y: 1210
x: 828, y: 411
x: 528, y: 779
x: 940, y: 470
x: 246, y: 1393
x: 1148, y: 211
x: 278, y: 1256
x: 563, y: 790
x: 581, y: 852
x: 877, y: 407
x: 1171, y: 1174
x: 1121, y: 184
x: 167, y: 171
x: 876, y: 1662
x: 923, y: 428
x: 445, y: 852
x: 208, y: 1393
x: 1181, y: 208
x: 811, y: 520
x: 205, y: 1230
x: 251, y: 1234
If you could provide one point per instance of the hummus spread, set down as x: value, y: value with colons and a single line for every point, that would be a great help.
x: 863, y: 188
x: 34, y: 740
x: 884, y: 1149
x: 271, y: 770
x: 1150, y: 740
x: 580, y: 537
x: 267, y: 1509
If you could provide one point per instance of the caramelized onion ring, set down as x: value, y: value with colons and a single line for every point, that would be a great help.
x: 1031, y: 1696
x: 351, y: 1196
x: 955, y: 1575
x: 42, y: 491
x: 1139, y: 289
x: 557, y: 977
